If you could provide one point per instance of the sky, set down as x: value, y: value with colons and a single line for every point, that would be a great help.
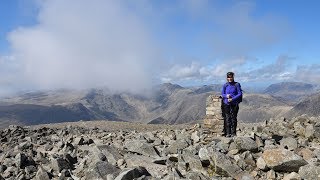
x: 128, y: 45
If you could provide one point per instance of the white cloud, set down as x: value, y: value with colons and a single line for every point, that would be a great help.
x: 279, y: 70
x: 308, y: 73
x: 80, y: 44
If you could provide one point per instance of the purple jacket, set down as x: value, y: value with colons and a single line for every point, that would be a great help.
x: 234, y: 89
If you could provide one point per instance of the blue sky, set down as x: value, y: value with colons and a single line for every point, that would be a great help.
x: 132, y: 45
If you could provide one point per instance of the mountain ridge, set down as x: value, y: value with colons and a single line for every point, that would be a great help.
x: 166, y: 103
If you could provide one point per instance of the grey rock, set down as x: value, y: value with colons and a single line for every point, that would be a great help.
x: 270, y: 144
x: 283, y: 160
x: 289, y: 143
x: 309, y: 131
x: 111, y: 153
x: 58, y: 164
x: 317, y: 130
x: 177, y: 146
x: 141, y: 147
x: 249, y: 161
x: 194, y: 162
x: 195, y: 136
x: 183, y: 167
x: 65, y: 174
x: 101, y: 170
x: 261, y: 164
x: 292, y: 176
x: 120, y: 162
x: 316, y: 152
x: 245, y: 176
x: 156, y: 170
x: 196, y: 176
x: 299, y: 129
x: 309, y: 172
x: 2, y: 168
x: 246, y: 144
x: 79, y: 141
x: 204, y: 154
x: 21, y: 160
x: 222, y: 146
x: 25, y: 145
x: 223, y: 165
x: 30, y: 170
x: 271, y: 174
x: 132, y: 173
x: 41, y: 174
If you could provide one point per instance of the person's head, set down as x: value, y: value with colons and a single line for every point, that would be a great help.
x: 230, y: 76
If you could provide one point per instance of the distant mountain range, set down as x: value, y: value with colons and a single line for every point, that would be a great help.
x: 166, y: 103
x: 291, y: 92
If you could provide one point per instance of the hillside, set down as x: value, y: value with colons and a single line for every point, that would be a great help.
x: 257, y: 107
x: 291, y: 92
x: 309, y: 106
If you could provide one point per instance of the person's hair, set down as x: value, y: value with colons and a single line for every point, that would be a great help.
x: 230, y: 74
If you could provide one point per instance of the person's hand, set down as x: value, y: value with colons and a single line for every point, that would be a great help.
x: 229, y: 99
x: 228, y: 96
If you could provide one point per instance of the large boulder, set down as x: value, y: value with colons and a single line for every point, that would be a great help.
x: 283, y: 160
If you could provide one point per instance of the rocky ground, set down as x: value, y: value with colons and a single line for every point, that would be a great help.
x: 276, y: 149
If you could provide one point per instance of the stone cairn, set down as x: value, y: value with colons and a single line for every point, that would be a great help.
x: 214, y: 119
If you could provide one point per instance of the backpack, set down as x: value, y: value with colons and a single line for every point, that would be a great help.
x: 237, y: 85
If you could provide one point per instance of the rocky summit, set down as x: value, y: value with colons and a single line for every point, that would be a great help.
x: 275, y: 149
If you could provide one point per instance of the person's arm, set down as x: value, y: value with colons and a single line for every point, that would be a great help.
x: 223, y: 92
x: 236, y: 97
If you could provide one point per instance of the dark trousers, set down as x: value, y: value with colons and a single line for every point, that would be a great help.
x: 230, y: 113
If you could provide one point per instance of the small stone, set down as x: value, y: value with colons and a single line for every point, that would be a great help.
x: 79, y: 141
x: 299, y: 129
x: 203, y: 154
x: 289, y: 143
x: 271, y: 174
x: 233, y: 151
x: 309, y: 131
x: 120, y: 162
x: 195, y: 137
x: 261, y: 164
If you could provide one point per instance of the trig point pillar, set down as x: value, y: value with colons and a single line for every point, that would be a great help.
x: 214, y: 119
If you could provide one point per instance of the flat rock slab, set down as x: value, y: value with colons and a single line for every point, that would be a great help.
x: 283, y: 160
x: 156, y: 170
x: 141, y: 147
